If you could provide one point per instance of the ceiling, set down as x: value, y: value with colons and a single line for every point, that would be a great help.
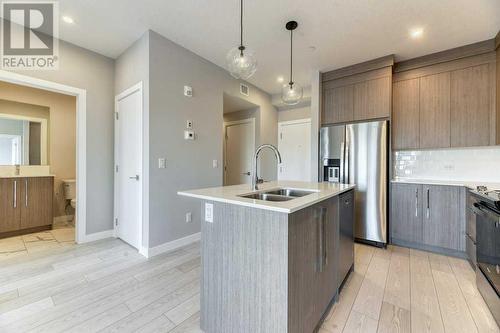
x: 233, y: 104
x: 331, y: 33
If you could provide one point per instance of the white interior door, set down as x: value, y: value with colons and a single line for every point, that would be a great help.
x: 128, y: 148
x: 240, y: 146
x: 294, y: 144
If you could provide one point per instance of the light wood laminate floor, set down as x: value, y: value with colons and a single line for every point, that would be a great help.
x: 106, y: 286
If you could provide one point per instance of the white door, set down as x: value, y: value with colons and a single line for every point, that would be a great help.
x: 128, y: 149
x: 240, y: 146
x: 294, y: 144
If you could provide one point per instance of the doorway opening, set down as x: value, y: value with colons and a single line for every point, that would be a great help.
x: 240, y: 138
x: 294, y: 144
x: 44, y: 165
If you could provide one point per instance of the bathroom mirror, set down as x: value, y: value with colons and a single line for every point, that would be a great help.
x: 23, y: 140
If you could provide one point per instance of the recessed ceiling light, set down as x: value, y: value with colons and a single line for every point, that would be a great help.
x: 280, y: 79
x: 416, y: 33
x: 68, y: 19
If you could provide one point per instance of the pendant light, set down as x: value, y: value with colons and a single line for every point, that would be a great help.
x: 241, y: 61
x: 292, y: 92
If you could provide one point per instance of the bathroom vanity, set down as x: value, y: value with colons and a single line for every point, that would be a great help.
x: 273, y: 260
x: 25, y: 204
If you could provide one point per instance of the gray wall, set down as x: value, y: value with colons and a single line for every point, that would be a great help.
x: 93, y: 72
x: 131, y: 67
x: 189, y: 163
x: 294, y: 114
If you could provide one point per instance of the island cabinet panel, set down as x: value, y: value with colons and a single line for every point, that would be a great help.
x: 405, y: 114
x: 471, y: 106
x: 244, y: 270
x: 9, y: 205
x: 442, y: 216
x: 303, y: 262
x: 435, y: 111
x: 406, y: 213
x: 313, y: 264
x: 338, y: 105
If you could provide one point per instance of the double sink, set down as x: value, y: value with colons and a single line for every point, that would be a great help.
x: 280, y: 194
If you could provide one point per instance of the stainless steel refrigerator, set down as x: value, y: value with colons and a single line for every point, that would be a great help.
x: 358, y: 153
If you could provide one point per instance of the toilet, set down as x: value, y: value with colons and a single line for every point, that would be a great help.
x: 70, y: 192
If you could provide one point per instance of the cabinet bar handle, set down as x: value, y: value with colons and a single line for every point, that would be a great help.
x: 15, y: 193
x: 321, y: 245
x: 416, y: 202
x: 26, y: 193
x: 428, y: 204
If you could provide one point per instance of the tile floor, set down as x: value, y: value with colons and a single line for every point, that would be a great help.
x: 61, y: 235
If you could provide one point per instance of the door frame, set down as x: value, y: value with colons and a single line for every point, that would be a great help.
x: 81, y: 141
x: 291, y: 122
x: 144, y: 184
x: 232, y: 123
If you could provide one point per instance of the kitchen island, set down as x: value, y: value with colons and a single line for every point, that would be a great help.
x: 273, y: 260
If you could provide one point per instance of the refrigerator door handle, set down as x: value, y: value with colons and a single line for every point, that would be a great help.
x: 346, y: 162
x: 342, y: 162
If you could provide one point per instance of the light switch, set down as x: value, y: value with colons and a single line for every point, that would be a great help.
x: 162, y: 163
x: 209, y: 212
x: 189, y: 217
x: 215, y: 164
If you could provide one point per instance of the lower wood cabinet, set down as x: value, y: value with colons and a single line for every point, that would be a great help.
x: 25, y: 204
x: 9, y: 205
x: 427, y: 215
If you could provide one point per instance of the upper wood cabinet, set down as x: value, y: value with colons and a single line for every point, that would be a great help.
x: 443, y: 103
x: 338, y: 105
x: 357, y: 93
x: 405, y: 114
x: 472, y: 106
x: 435, y: 111
x: 372, y: 99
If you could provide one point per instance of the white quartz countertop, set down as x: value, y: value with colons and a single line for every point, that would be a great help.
x: 231, y: 194
x: 469, y: 184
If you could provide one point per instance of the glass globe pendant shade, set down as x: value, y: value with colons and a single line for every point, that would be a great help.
x: 241, y: 64
x: 291, y: 94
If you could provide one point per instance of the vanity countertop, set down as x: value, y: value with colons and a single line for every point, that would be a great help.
x: 25, y: 176
x: 232, y: 194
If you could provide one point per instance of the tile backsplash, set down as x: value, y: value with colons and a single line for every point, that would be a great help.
x: 464, y: 164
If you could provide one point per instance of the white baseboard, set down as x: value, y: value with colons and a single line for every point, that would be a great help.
x: 63, y: 219
x: 98, y: 236
x: 170, y: 246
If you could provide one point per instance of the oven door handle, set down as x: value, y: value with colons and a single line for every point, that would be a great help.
x: 478, y: 210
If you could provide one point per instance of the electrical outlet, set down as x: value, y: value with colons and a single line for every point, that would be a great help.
x: 209, y: 212
x: 189, y: 217
x: 189, y: 124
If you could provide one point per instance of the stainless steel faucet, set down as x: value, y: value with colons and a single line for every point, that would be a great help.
x: 255, y: 177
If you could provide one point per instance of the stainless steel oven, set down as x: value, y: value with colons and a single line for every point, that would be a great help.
x: 487, y: 211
